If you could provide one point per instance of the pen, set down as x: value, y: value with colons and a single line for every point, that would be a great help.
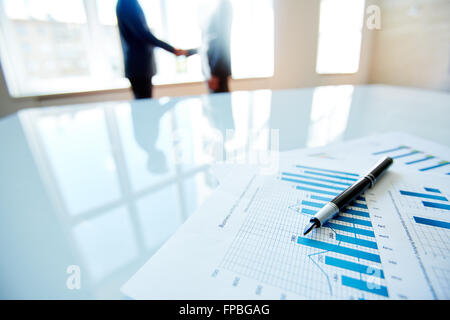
x: 332, y: 208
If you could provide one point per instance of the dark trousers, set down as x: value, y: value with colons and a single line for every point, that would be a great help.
x: 142, y: 87
x: 223, y: 86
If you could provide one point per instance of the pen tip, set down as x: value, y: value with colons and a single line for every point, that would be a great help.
x: 309, y: 228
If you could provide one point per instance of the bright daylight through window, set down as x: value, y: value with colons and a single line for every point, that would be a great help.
x: 54, y: 46
x: 340, y: 33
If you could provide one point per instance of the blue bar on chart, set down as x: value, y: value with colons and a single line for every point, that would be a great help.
x: 358, y: 205
x: 353, y: 266
x: 320, y: 198
x: 330, y: 175
x: 341, y: 227
x: 315, y: 178
x: 357, y: 241
x: 440, y: 164
x: 406, y: 154
x: 357, y: 212
x: 431, y: 222
x: 432, y: 190
x: 308, y: 211
x: 327, y: 170
x: 422, y: 195
x: 390, y: 150
x: 316, y: 190
x: 354, y: 221
x: 338, y: 249
x: 436, y: 205
x: 364, y: 286
x: 420, y: 160
x: 314, y: 184
x: 313, y: 204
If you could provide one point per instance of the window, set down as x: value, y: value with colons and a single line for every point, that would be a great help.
x: 340, y: 33
x: 54, y: 46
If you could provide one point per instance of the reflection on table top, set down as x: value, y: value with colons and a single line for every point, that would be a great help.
x: 103, y: 186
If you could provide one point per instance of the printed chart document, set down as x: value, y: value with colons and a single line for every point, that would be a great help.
x: 246, y: 241
x: 419, y: 223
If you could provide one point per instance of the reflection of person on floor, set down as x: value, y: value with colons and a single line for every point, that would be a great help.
x: 218, y: 110
x: 146, y: 120
x: 218, y: 38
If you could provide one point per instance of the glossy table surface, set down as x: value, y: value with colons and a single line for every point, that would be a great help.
x: 94, y: 190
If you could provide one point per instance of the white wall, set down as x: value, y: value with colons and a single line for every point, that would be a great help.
x: 413, y: 46
x: 296, y: 30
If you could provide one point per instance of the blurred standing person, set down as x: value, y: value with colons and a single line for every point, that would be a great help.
x: 137, y: 45
x: 218, y: 42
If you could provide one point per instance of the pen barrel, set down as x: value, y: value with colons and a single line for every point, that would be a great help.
x: 351, y: 193
x: 332, y: 208
x: 380, y: 168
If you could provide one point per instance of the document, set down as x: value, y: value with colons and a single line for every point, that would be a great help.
x: 246, y: 241
x: 415, y: 236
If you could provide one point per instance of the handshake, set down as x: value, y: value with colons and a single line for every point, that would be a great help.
x: 186, y: 53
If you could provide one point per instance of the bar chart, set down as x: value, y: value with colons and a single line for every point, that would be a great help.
x: 339, y: 261
x: 414, y: 158
x: 428, y: 216
x: 351, y: 245
x: 378, y: 247
x: 421, y: 216
x: 408, y: 151
x: 392, y: 242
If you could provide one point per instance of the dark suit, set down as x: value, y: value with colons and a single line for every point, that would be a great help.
x: 137, y: 45
x: 219, y: 33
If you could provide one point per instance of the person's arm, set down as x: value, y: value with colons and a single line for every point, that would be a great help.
x: 135, y: 22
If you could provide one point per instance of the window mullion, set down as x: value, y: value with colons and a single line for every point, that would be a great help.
x: 165, y: 20
x: 96, y: 63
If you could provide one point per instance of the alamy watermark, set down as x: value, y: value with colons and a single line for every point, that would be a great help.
x: 257, y: 148
x: 373, y: 21
x: 73, y: 281
x: 374, y: 278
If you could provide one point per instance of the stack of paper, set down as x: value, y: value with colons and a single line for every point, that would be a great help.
x: 246, y: 241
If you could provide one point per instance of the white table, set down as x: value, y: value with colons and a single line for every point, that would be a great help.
x: 102, y: 186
